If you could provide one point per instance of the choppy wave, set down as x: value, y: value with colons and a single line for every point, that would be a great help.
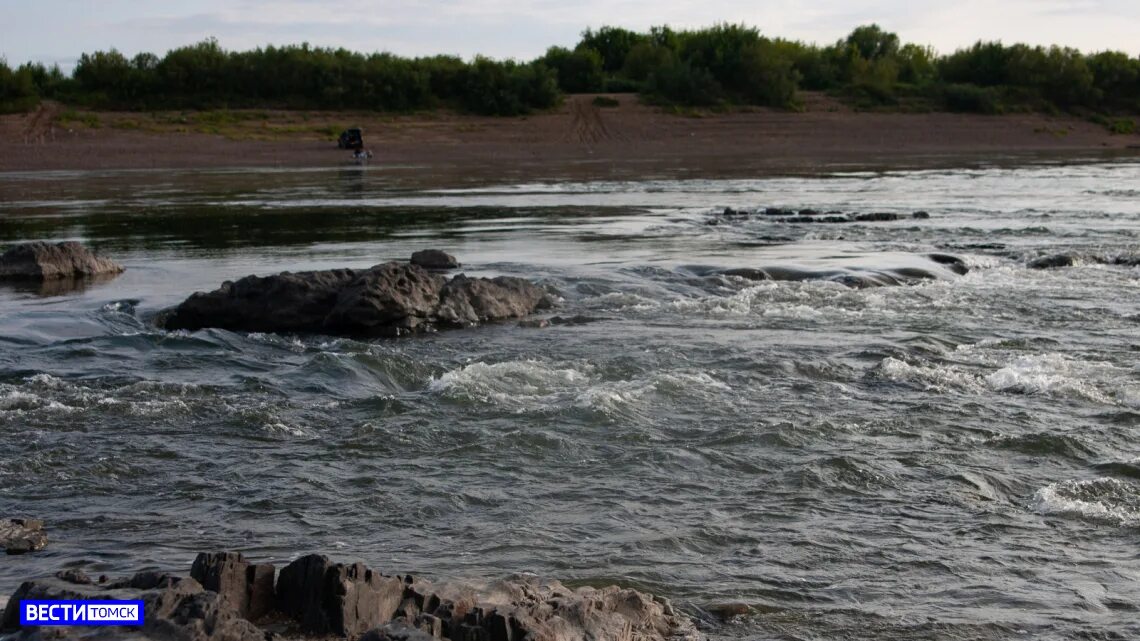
x: 539, y: 386
x: 801, y: 446
x: 1101, y: 500
x: 1049, y: 374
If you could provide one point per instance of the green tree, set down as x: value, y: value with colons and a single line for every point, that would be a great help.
x: 578, y: 71
x: 873, y: 43
x: 613, y: 44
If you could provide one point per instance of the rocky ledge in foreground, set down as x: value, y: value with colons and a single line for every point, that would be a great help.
x: 45, y: 261
x: 391, y: 299
x: 227, y: 598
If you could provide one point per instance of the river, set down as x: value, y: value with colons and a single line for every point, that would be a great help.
x: 955, y: 458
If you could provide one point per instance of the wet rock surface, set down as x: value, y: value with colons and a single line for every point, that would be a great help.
x: 315, y: 598
x: 1052, y: 262
x: 40, y: 261
x: 20, y: 536
x: 1056, y: 261
x: 855, y: 278
x: 434, y: 259
x: 390, y: 299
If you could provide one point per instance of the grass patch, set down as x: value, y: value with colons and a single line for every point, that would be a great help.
x: 222, y: 117
x: 1122, y: 126
x: 85, y: 118
x: 606, y: 101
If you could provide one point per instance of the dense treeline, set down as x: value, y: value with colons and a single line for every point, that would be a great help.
x: 870, y: 67
x: 206, y: 76
x: 721, y: 65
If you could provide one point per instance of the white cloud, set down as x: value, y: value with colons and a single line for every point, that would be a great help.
x: 512, y: 28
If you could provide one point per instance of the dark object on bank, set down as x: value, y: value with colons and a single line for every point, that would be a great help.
x: 47, y: 261
x: 20, y: 536
x: 351, y: 139
x: 316, y: 598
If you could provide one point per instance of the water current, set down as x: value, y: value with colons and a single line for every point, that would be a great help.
x: 953, y: 458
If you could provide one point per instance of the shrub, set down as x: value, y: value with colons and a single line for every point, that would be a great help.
x: 685, y: 84
x: 971, y: 98
x: 1123, y: 126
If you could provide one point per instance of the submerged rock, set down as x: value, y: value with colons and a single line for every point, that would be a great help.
x: 434, y: 259
x: 953, y: 263
x: 20, y: 536
x: 1053, y: 262
x: 386, y: 300
x: 878, y: 217
x: 47, y: 261
x: 553, y: 321
x: 317, y: 598
x: 855, y: 278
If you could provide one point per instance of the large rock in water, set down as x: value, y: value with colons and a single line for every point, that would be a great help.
x: 434, y: 259
x: 386, y: 300
x: 45, y: 261
x: 19, y: 536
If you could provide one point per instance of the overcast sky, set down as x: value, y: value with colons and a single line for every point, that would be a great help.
x: 53, y: 31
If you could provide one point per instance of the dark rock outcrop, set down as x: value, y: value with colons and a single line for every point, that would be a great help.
x: 246, y: 587
x: 468, y: 301
x: 286, y: 302
x: 392, y: 298
x: 326, y: 597
x: 20, y: 536
x: 174, y: 607
x: 386, y: 300
x: 434, y: 259
x: 47, y: 261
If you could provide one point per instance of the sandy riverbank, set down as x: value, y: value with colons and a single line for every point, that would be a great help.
x: 579, y: 140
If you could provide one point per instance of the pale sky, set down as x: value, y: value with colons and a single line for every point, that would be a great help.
x: 52, y: 31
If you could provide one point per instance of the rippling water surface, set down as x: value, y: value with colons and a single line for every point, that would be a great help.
x: 952, y: 459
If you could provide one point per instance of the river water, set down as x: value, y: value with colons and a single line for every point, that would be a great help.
x: 955, y: 458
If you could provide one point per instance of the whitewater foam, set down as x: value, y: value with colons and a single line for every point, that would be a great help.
x: 536, y: 386
x: 1103, y: 500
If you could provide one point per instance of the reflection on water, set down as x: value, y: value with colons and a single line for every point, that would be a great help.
x: 951, y: 458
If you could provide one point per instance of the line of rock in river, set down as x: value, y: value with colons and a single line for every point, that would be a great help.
x: 801, y: 216
x: 398, y: 298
